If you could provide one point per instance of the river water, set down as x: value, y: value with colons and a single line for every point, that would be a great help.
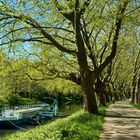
x: 8, y: 131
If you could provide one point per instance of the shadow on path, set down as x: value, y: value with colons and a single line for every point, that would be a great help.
x: 122, y: 122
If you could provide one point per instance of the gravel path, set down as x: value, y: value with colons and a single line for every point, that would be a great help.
x: 122, y: 122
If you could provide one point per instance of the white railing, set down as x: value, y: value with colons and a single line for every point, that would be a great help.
x: 52, y: 108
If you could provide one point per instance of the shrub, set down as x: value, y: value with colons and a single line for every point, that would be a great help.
x: 18, y: 100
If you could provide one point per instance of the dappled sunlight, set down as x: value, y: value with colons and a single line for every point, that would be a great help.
x: 122, y: 122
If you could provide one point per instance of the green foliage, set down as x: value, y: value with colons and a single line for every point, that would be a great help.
x: 29, y: 101
x: 52, y: 47
x: 136, y: 106
x: 69, y: 109
x: 14, y: 82
x: 48, y: 100
x: 14, y: 100
x: 60, y: 85
x: 18, y: 100
x: 2, y: 102
x: 79, y: 126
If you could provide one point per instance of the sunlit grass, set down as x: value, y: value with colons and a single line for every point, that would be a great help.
x: 79, y: 126
x: 136, y: 106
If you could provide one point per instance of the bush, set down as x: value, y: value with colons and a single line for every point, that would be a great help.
x: 136, y: 106
x: 18, y: 100
x: 2, y: 102
x: 28, y: 101
x: 14, y: 100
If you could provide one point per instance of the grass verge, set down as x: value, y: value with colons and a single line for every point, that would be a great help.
x: 78, y: 126
x: 136, y: 106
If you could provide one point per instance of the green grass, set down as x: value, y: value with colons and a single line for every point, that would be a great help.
x: 136, y: 106
x: 78, y: 126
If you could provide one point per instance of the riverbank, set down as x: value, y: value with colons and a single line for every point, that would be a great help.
x: 79, y: 125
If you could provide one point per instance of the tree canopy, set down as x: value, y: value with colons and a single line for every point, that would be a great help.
x: 75, y: 40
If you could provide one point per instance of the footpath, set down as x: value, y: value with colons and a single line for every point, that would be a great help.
x: 122, y: 122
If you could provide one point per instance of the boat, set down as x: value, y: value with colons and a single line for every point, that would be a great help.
x: 35, y: 114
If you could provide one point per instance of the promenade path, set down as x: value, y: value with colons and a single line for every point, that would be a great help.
x: 122, y: 122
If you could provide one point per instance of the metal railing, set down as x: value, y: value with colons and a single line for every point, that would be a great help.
x: 25, y: 106
x: 52, y: 108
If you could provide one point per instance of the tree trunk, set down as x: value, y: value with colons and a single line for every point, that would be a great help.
x: 87, y: 81
x: 100, y: 92
x: 110, y: 92
x: 133, y: 93
x: 115, y: 96
x: 102, y: 99
x: 138, y: 92
x: 90, y: 101
x: 105, y: 92
x: 134, y: 78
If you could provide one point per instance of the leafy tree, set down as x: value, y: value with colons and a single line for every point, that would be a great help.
x: 82, y: 30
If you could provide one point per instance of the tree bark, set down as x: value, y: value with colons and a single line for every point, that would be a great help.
x: 138, y: 92
x: 100, y: 92
x: 133, y: 90
x: 90, y: 101
x: 110, y: 92
x: 106, y: 93
x: 87, y: 81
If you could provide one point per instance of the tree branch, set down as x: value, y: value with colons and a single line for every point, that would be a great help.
x: 41, y: 79
x: 119, y: 18
x: 69, y: 16
x: 37, y: 26
x: 37, y: 39
x: 128, y: 13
